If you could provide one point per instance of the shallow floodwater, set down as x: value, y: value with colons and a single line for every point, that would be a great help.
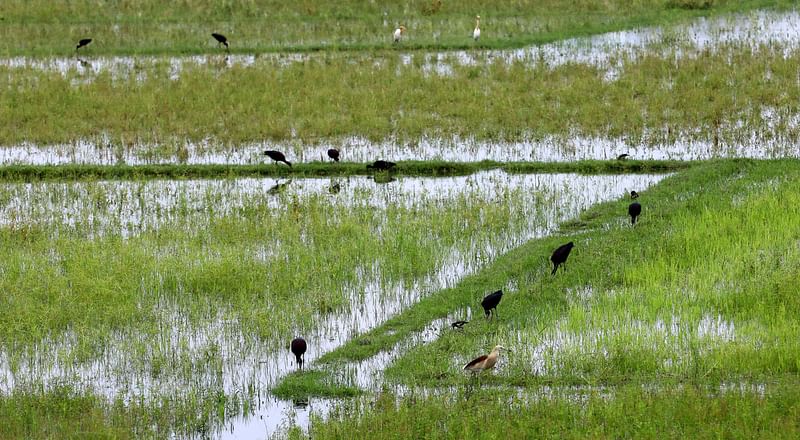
x: 242, y: 367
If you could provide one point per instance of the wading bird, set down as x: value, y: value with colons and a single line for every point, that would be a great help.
x: 221, y: 39
x: 459, y: 324
x: 560, y: 255
x: 634, y: 209
x: 491, y: 301
x: 634, y: 195
x: 299, y: 348
x: 382, y: 165
x: 83, y: 43
x: 477, y: 32
x: 333, y: 153
x: 398, y: 33
x: 623, y: 156
x: 484, y: 362
x: 277, y: 156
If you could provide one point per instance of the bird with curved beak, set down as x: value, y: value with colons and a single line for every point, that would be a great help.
x: 485, y: 362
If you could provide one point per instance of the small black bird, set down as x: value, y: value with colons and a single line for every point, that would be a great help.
x: 491, y: 301
x: 382, y: 165
x: 277, y: 156
x: 458, y: 324
x: 623, y: 156
x: 560, y: 255
x: 333, y: 153
x: 298, y: 347
x: 634, y: 209
x: 82, y: 43
x: 221, y: 39
x: 634, y: 195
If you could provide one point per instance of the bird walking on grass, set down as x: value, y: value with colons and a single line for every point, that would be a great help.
x: 491, y: 301
x: 277, y: 156
x: 221, y: 39
x: 560, y: 255
x: 634, y: 195
x: 299, y: 347
x: 485, y: 362
x: 333, y: 153
x: 83, y: 43
x: 634, y: 209
x: 398, y: 33
x: 477, y: 32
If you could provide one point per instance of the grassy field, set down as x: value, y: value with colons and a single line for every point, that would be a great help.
x: 45, y: 28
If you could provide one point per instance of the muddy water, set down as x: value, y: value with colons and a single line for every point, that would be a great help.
x: 243, y: 367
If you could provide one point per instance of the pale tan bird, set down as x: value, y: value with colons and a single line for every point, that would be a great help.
x: 398, y: 33
x: 485, y: 362
x: 477, y: 32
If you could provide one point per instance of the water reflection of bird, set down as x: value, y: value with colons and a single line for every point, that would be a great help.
x: 623, y: 156
x: 491, y: 301
x: 300, y: 402
x: 277, y: 156
x: 634, y: 195
x: 383, y: 178
x: 381, y: 165
x: 634, y: 209
x: 398, y: 33
x: 333, y: 153
x: 299, y: 347
x: 221, y: 39
x: 83, y: 43
x: 485, y: 362
x: 83, y: 62
x: 477, y: 32
x: 334, y: 188
x: 560, y: 255
x: 459, y: 324
x: 279, y: 187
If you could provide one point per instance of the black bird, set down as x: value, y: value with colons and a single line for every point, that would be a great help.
x: 382, y: 165
x: 623, y: 156
x: 83, y: 42
x: 560, y: 255
x: 277, y: 156
x: 221, y: 39
x: 634, y: 209
x: 491, y: 301
x: 299, y: 348
x: 634, y: 195
x: 333, y: 153
x: 458, y: 324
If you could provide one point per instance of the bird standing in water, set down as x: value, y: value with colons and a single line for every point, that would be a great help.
x: 299, y: 347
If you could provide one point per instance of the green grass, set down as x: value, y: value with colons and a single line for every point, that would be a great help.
x: 44, y: 28
x: 721, y: 97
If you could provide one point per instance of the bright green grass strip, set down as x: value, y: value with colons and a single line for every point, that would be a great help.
x: 631, y: 412
x: 43, y: 28
x: 27, y: 173
x: 312, y: 383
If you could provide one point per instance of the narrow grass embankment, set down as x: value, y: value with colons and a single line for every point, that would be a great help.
x: 699, y: 291
x: 25, y: 173
x: 150, y: 27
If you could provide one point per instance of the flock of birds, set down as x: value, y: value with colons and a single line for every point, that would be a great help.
x: 397, y: 35
x: 491, y: 301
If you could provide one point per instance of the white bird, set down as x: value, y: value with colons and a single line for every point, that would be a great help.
x: 477, y: 32
x: 398, y: 33
x: 484, y: 362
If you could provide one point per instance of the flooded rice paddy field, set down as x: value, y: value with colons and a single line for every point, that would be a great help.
x: 774, y: 136
x: 209, y: 347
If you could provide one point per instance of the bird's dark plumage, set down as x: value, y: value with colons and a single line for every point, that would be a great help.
x: 277, y: 156
x: 459, y: 324
x: 381, y: 165
x: 298, y: 347
x: 333, y: 153
x: 83, y: 42
x: 491, y: 301
x: 634, y: 195
x: 623, y: 156
x: 560, y: 255
x: 634, y: 209
x: 221, y: 39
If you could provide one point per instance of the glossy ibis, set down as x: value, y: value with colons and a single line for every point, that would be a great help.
x: 221, y: 39
x: 277, y: 156
x: 459, y: 324
x: 299, y: 348
x: 491, y: 301
x: 560, y: 255
x: 83, y: 43
x: 634, y: 195
x: 634, y: 209
x: 333, y: 153
x: 623, y: 156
